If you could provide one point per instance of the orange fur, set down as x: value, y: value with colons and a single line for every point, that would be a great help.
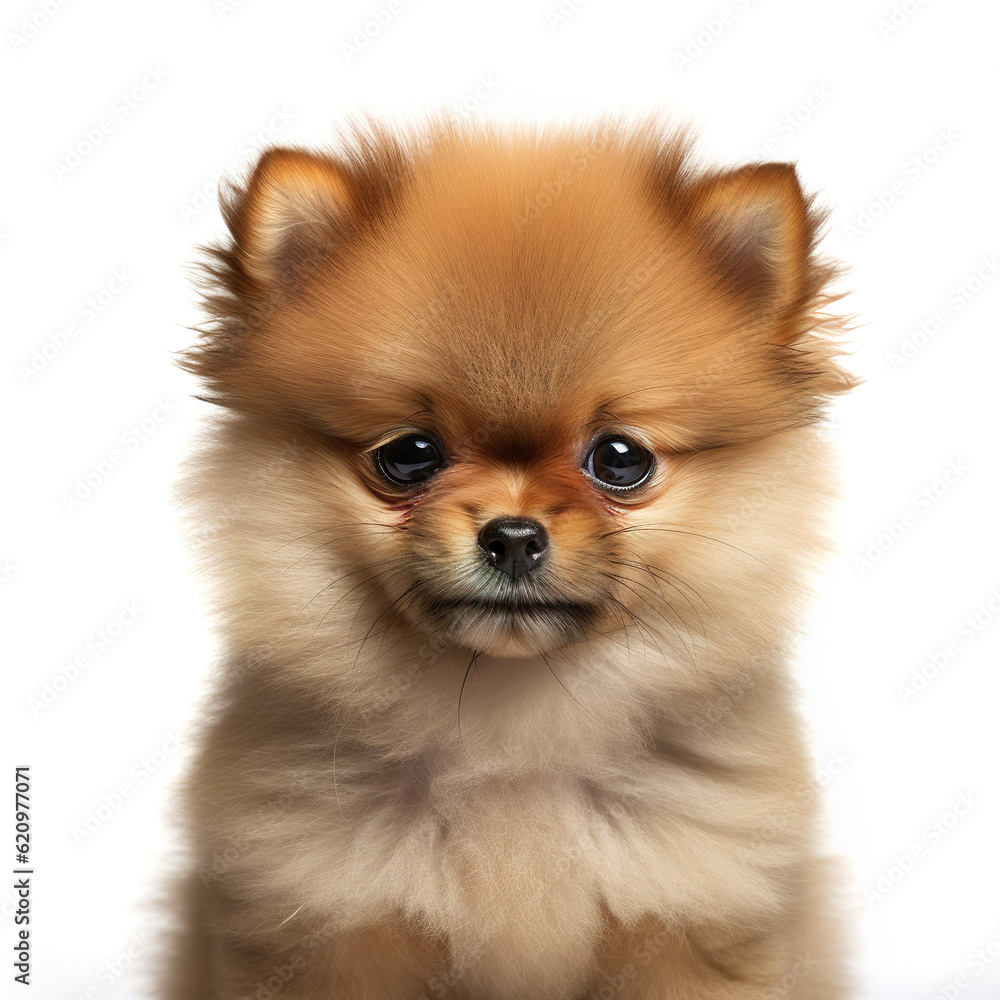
x: 400, y: 794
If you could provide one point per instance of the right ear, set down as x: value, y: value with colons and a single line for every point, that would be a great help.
x: 759, y: 232
x: 294, y: 209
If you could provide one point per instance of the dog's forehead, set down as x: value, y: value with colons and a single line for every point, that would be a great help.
x: 520, y: 339
x: 520, y: 359
x: 518, y: 397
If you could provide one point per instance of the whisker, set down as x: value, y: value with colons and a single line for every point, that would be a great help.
x: 388, y: 608
x: 336, y: 527
x: 665, y: 578
x: 328, y: 544
x: 475, y: 656
x: 566, y: 689
x: 334, y: 583
x: 289, y: 917
x: 625, y: 627
x: 668, y: 577
x: 326, y: 614
x: 626, y: 582
x: 628, y: 647
x: 388, y: 628
x: 681, y: 531
x: 641, y: 626
x: 336, y: 793
x: 609, y: 636
x: 700, y: 597
x: 367, y: 598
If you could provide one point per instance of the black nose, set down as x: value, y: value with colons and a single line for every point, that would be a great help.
x: 515, y: 545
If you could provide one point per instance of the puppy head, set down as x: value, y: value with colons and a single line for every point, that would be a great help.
x: 546, y: 388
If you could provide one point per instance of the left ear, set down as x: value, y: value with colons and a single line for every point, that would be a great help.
x: 294, y: 208
x: 756, y: 226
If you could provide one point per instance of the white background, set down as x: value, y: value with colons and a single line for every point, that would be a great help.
x: 210, y: 81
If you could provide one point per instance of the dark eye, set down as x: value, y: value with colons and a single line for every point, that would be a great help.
x: 410, y: 459
x: 618, y: 463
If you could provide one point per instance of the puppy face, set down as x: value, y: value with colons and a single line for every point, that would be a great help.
x: 546, y: 391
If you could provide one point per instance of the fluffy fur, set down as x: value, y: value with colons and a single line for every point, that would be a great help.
x: 399, y: 796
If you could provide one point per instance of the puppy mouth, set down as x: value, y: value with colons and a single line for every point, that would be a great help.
x: 524, y: 622
x: 515, y: 607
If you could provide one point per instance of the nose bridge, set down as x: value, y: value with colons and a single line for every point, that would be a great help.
x: 534, y: 491
x: 507, y: 493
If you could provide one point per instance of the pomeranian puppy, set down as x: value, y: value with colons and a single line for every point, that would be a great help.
x: 510, y: 514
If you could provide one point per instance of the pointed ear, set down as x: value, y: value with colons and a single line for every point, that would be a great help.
x: 293, y: 212
x: 756, y: 225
